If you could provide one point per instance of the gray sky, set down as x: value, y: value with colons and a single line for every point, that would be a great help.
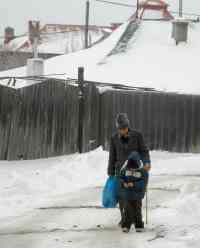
x: 16, y: 13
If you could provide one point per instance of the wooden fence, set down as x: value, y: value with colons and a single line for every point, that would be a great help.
x: 8, y: 101
x: 42, y: 120
x: 168, y: 121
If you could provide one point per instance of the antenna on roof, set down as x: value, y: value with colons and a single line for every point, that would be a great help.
x: 35, y: 65
x: 180, y: 26
x: 87, y: 15
x: 180, y: 8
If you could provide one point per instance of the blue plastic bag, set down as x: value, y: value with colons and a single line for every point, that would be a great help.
x: 110, y: 192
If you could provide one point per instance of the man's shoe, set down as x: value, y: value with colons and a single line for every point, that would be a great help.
x: 125, y: 229
x: 140, y: 229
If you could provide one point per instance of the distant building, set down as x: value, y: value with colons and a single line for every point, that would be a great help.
x: 55, y: 38
x: 52, y: 40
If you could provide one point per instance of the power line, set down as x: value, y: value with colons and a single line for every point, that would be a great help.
x: 60, y: 32
x: 185, y: 13
x: 129, y: 5
x: 15, y: 36
x: 31, y: 77
x: 13, y: 81
x: 42, y: 34
x: 115, y: 3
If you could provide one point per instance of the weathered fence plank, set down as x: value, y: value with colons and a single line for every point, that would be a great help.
x: 8, y: 101
x: 45, y: 123
x: 91, y: 118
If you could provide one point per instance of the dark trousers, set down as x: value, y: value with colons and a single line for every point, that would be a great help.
x: 131, y: 213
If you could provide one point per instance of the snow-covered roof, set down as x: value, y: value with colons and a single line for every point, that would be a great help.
x: 151, y: 60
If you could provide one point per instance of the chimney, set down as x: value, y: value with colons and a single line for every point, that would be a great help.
x: 35, y: 65
x: 34, y: 35
x: 35, y: 68
x: 180, y: 30
x: 9, y: 34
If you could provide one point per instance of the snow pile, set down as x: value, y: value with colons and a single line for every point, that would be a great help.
x: 76, y: 181
x: 176, y: 164
x: 26, y: 184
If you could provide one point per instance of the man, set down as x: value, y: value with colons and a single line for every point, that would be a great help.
x: 122, y: 144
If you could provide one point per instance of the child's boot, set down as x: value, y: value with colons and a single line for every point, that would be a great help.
x: 139, y: 227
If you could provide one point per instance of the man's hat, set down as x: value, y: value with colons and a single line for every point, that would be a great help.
x: 122, y: 121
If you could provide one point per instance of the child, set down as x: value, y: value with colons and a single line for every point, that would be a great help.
x: 133, y: 183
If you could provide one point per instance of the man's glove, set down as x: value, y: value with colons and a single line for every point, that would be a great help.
x: 147, y: 167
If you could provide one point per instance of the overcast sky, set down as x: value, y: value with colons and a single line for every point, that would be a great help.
x: 16, y: 13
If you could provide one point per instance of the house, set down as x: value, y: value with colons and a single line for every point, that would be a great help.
x: 55, y: 38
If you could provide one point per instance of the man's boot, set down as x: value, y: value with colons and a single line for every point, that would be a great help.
x: 125, y: 229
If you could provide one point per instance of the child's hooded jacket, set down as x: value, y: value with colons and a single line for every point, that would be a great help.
x: 132, y: 171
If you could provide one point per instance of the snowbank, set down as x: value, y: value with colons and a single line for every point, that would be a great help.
x: 76, y: 181
x: 27, y: 184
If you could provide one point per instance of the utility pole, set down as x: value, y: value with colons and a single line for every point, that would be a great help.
x: 87, y: 15
x: 81, y: 108
x: 180, y: 8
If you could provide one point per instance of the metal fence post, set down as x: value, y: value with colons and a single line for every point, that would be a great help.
x: 81, y: 108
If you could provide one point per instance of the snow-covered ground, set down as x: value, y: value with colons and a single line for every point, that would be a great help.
x: 56, y: 203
